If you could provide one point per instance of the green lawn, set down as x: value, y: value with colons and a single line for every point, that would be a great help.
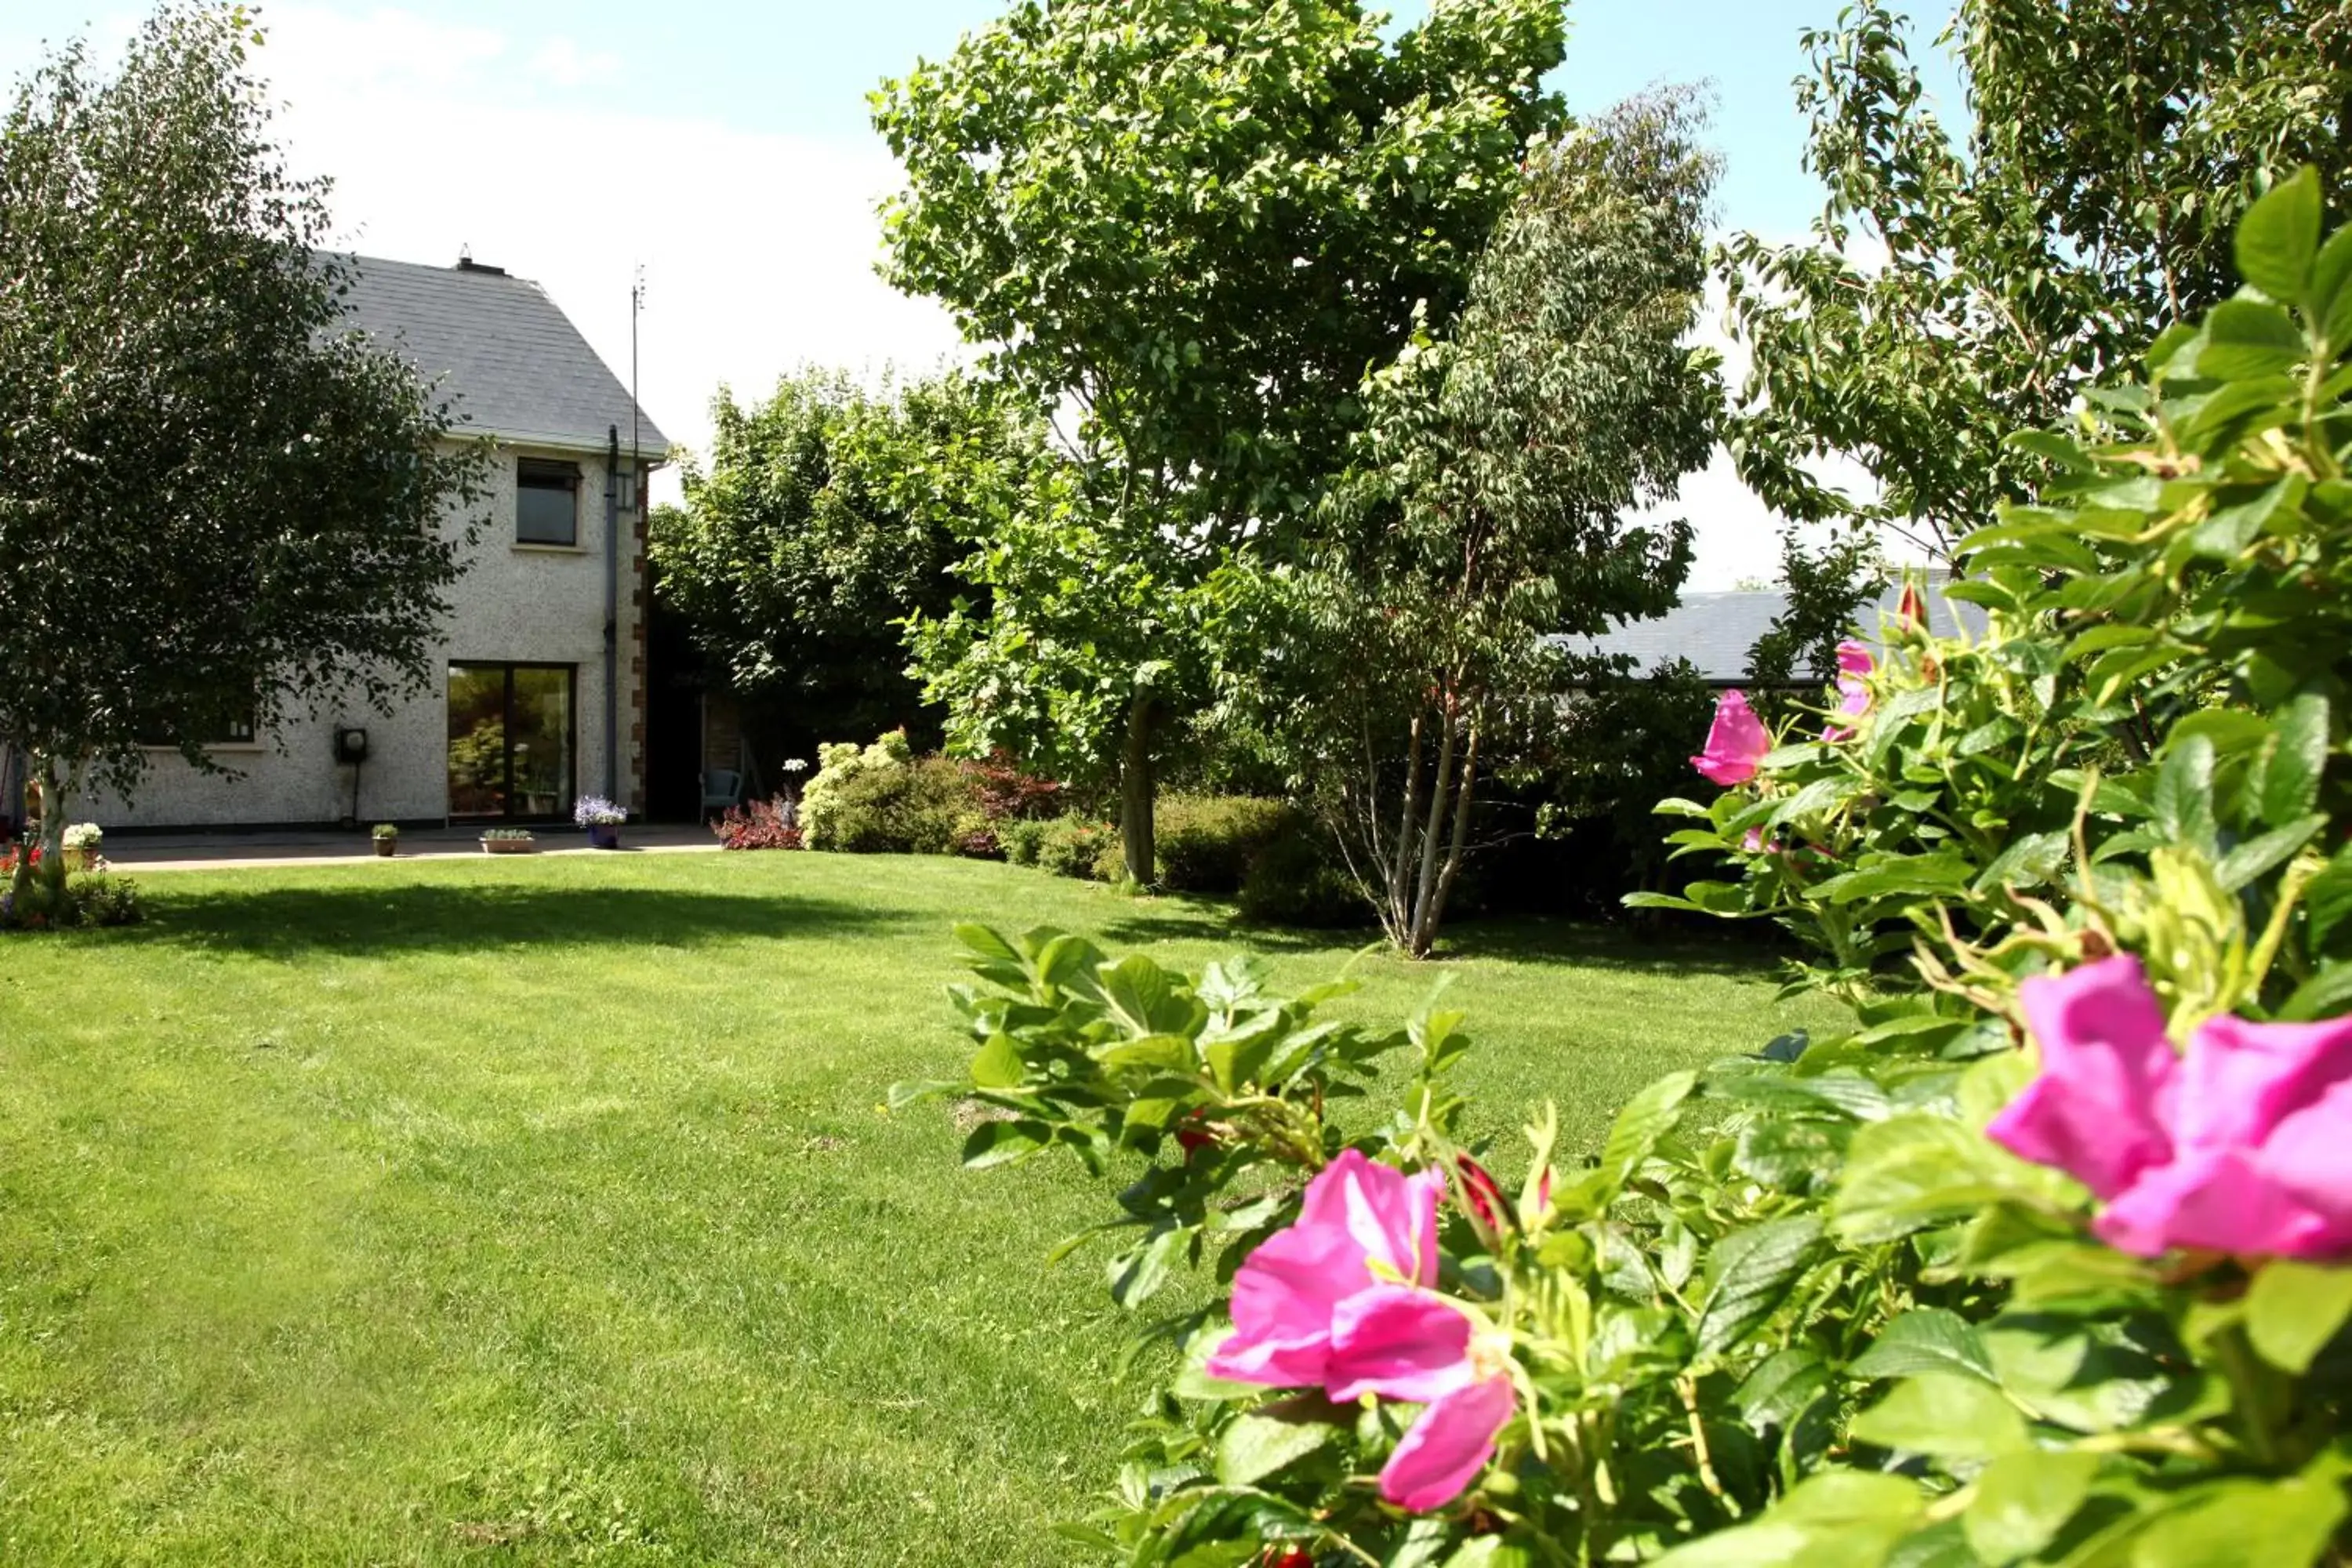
x: 546, y: 1210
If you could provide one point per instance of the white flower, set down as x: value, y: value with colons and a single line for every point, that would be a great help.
x: 796, y: 766
x: 84, y: 836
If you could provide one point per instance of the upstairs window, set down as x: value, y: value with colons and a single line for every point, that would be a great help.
x: 547, y: 502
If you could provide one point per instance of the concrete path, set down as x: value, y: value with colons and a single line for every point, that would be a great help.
x: 231, y: 851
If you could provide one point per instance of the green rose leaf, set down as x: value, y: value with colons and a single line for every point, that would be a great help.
x: 2290, y: 778
x: 1648, y: 1117
x: 2024, y: 1499
x: 1927, y: 1340
x: 1849, y: 1518
x: 1002, y: 1143
x: 2232, y: 1523
x: 2279, y: 239
x: 2244, y: 338
x: 2294, y: 1309
x: 1753, y: 1270
x: 1918, y: 1168
x: 1265, y: 1441
x: 1944, y: 1415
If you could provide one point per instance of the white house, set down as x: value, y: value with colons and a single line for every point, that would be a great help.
x: 541, y: 690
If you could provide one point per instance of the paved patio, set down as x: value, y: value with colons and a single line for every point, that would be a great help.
x: 226, y: 851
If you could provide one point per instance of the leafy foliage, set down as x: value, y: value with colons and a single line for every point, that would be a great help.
x: 1197, y: 225
x: 1482, y: 519
x: 1620, y: 745
x: 827, y: 516
x: 1817, y: 1304
x: 2109, y: 153
x: 220, y: 502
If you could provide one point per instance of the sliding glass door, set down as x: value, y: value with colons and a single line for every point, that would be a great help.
x: 512, y: 739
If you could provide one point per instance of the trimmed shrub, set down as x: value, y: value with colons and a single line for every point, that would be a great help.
x: 1204, y: 843
x: 1207, y: 842
x: 1022, y: 840
x: 1072, y: 846
x: 1296, y: 880
x: 923, y: 807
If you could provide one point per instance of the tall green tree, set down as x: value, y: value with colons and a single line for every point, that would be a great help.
x: 2109, y: 148
x: 1487, y: 513
x: 1190, y: 227
x: 827, y: 515
x: 218, y: 503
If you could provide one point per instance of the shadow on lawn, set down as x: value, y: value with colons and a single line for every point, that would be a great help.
x: 1583, y: 944
x: 285, y: 922
x: 1574, y: 944
x: 1186, y: 920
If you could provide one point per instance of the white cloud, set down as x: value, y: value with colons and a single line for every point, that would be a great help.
x: 759, y: 250
x: 565, y: 64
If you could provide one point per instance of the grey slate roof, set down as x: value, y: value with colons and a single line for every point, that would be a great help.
x: 1715, y: 631
x: 518, y: 366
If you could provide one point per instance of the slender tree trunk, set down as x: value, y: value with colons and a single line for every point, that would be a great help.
x: 53, y: 821
x: 1459, y: 845
x: 1433, y: 834
x: 1399, y: 915
x: 1135, y: 796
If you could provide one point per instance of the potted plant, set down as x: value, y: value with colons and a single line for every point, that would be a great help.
x: 508, y: 841
x: 83, y: 840
x: 387, y: 840
x: 602, y: 820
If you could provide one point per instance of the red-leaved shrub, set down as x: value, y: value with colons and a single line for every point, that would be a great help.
x: 759, y: 824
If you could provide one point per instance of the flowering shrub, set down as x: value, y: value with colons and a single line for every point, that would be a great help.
x: 595, y: 811
x: 84, y: 836
x: 83, y: 894
x: 2047, y: 1261
x: 759, y: 824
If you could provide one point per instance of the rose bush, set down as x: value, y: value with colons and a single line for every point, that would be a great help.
x: 2047, y: 1261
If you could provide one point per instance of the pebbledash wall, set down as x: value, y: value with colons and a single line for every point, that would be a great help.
x: 525, y: 604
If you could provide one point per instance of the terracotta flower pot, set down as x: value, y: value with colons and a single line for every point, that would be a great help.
x: 386, y: 848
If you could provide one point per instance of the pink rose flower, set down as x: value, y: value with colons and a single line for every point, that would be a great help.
x: 2239, y: 1147
x: 1736, y: 742
x: 1342, y: 1299
x: 1355, y: 1214
x: 1854, y: 667
x: 1416, y: 1346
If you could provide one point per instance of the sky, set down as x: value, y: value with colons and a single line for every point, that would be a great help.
x: 723, y: 146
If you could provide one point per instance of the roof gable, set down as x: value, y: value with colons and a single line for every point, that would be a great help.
x: 514, y: 363
x: 1715, y: 631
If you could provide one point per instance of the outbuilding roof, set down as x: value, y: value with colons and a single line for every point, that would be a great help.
x: 517, y: 366
x: 1715, y: 631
